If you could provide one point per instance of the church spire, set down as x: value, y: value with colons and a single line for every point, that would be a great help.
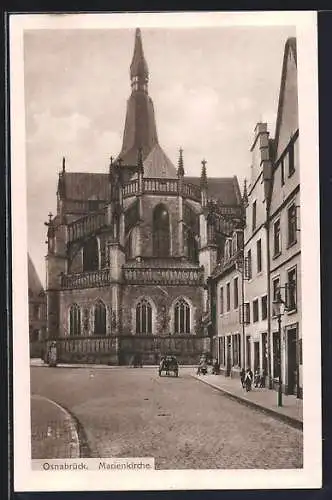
x: 139, y: 72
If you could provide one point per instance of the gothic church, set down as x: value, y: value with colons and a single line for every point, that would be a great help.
x: 130, y: 251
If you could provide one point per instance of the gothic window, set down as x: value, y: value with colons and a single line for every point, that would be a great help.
x: 75, y: 320
x: 144, y: 317
x: 91, y: 255
x: 130, y: 245
x: 181, y: 317
x: 100, y: 319
x: 161, y: 232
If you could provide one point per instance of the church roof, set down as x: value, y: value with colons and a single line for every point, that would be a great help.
x: 34, y: 283
x: 140, y: 129
x: 157, y: 164
x: 225, y: 189
x: 86, y: 186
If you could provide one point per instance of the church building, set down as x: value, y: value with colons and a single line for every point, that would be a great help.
x: 130, y: 251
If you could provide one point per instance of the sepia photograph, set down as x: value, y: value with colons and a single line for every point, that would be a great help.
x: 169, y: 249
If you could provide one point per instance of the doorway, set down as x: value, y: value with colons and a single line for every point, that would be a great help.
x: 291, y: 361
x: 248, y: 351
x: 256, y: 356
x: 228, y: 356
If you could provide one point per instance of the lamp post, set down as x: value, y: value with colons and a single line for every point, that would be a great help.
x: 278, y: 302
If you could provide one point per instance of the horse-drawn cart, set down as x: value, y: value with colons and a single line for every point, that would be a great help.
x: 168, y: 365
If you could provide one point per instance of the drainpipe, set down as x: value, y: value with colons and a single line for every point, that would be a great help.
x: 267, y: 227
x: 244, y: 360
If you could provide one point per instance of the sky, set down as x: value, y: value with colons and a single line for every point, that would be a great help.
x: 210, y: 86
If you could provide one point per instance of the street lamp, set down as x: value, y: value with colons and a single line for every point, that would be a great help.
x: 278, y: 302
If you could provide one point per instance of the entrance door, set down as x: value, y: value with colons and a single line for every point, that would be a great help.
x: 256, y: 356
x: 291, y: 361
x: 228, y: 356
x: 248, y: 351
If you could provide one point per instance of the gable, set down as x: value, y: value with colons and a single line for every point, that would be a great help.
x: 287, y: 117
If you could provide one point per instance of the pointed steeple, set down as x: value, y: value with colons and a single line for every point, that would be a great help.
x: 203, y: 181
x: 245, y: 193
x: 180, y: 171
x: 204, y: 185
x: 139, y: 72
x: 61, y: 191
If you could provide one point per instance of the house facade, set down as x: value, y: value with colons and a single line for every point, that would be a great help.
x: 37, y: 310
x: 285, y: 235
x: 271, y: 258
x: 255, y: 253
x: 130, y: 251
x: 229, y: 331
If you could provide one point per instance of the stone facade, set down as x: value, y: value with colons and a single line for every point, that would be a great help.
x: 131, y: 251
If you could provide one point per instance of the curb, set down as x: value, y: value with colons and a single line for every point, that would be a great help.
x: 75, y: 444
x: 292, y: 421
x: 102, y: 367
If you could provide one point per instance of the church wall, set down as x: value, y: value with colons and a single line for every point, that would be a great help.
x: 76, y: 264
x: 162, y: 298
x: 85, y: 298
x: 149, y: 203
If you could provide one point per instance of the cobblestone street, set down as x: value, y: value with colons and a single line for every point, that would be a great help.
x: 179, y: 421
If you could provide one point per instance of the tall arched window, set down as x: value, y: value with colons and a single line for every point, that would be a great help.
x: 100, y: 318
x: 91, y: 255
x: 161, y: 232
x: 144, y: 317
x: 75, y: 320
x: 131, y: 243
x: 181, y: 317
x: 192, y: 247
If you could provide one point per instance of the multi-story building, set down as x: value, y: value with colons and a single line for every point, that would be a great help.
x: 271, y: 271
x: 228, y: 290
x: 37, y: 309
x: 130, y: 251
x: 284, y: 231
x: 255, y: 253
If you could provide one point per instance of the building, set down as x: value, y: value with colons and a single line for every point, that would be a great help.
x: 37, y: 310
x: 228, y: 285
x: 284, y: 230
x: 270, y: 271
x: 130, y: 251
x: 255, y: 252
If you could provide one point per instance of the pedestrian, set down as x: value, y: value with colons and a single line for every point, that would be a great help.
x: 262, y: 380
x: 216, y: 367
x: 52, y: 355
x: 242, y: 376
x: 248, y: 380
x: 257, y: 378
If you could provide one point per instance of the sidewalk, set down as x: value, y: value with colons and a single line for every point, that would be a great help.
x: 53, y: 431
x: 261, y: 399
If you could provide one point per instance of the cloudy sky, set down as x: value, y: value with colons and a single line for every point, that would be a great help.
x: 209, y: 86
